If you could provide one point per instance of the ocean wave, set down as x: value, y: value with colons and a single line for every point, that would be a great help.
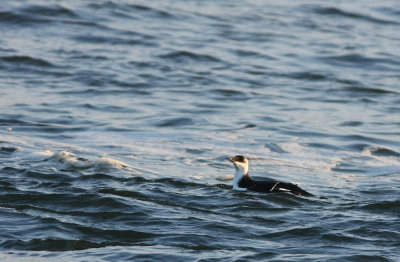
x: 334, y: 11
x: 50, y: 126
x: 180, y: 122
x: 10, y: 17
x: 380, y: 151
x: 383, y: 206
x: 309, y: 76
x: 10, y: 149
x: 361, y: 60
x: 26, y: 60
x: 187, y: 56
x: 369, y: 90
x: 106, y: 39
x: 134, y: 8
x: 49, y: 10
x: 51, y: 244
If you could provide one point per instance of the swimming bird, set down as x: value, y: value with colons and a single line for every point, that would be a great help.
x: 242, y: 180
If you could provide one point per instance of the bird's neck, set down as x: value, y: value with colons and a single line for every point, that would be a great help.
x: 239, y: 174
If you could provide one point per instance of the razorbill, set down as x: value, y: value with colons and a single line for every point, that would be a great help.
x: 242, y: 180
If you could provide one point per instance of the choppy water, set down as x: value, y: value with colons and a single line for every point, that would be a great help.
x: 117, y: 119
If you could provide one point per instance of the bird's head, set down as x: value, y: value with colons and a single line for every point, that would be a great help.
x: 241, y: 164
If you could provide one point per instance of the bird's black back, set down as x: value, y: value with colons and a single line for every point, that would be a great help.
x: 271, y: 186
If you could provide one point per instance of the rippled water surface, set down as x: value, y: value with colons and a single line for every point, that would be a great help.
x: 117, y: 119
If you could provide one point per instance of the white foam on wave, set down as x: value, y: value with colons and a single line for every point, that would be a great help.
x: 70, y: 160
x: 206, y: 158
x: 225, y: 177
x: 46, y: 152
x: 38, y: 155
x: 106, y: 162
x: 301, y: 156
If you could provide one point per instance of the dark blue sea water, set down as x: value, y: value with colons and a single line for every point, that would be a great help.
x: 117, y: 119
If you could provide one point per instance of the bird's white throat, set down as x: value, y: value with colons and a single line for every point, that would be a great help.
x: 241, y: 171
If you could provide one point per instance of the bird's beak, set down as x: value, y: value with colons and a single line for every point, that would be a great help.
x: 231, y: 159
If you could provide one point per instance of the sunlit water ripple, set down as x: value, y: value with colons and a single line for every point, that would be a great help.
x: 117, y: 119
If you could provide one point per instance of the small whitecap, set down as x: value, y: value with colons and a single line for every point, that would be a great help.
x: 199, y: 177
x: 70, y: 160
x: 62, y: 155
x: 45, y: 153
x: 19, y: 149
x: 12, y: 149
x: 106, y: 162
x: 225, y: 177
x: 39, y: 155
